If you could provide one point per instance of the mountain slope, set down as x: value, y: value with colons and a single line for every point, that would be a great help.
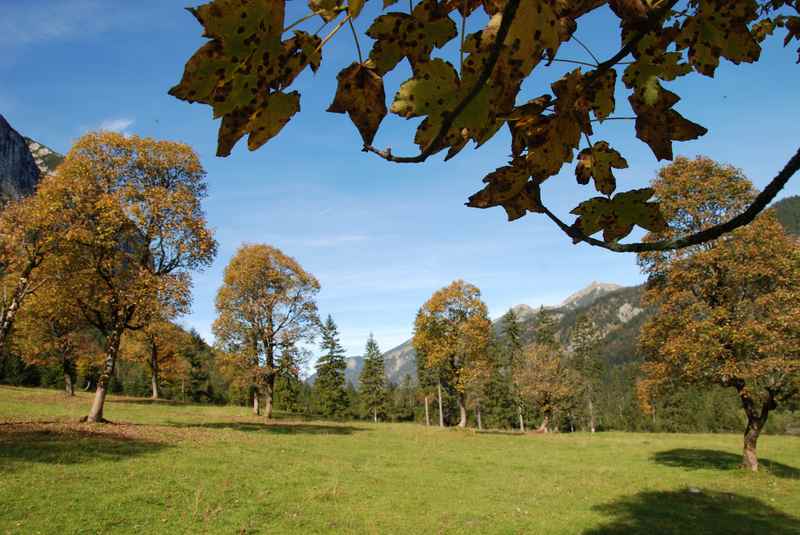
x: 788, y: 212
x: 18, y: 170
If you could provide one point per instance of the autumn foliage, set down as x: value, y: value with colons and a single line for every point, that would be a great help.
x: 727, y: 312
x: 452, y: 330
x: 246, y: 69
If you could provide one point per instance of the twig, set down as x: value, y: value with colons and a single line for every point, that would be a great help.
x: 299, y: 21
x: 333, y: 32
x: 712, y: 233
x: 586, y: 48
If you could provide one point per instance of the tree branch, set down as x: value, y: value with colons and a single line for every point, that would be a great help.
x: 711, y: 233
x: 433, y: 146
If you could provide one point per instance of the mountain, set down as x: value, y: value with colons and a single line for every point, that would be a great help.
x: 612, y: 307
x: 788, y: 212
x: 46, y: 158
x: 18, y: 170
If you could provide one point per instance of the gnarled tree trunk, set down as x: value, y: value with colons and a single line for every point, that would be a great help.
x: 112, y: 349
x: 543, y: 427
x: 256, y: 409
x: 67, y: 368
x: 756, y: 420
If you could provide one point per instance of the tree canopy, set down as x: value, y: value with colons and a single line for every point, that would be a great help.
x: 246, y: 69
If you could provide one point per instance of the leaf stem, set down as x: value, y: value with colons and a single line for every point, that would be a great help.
x: 333, y: 32
x: 355, y: 38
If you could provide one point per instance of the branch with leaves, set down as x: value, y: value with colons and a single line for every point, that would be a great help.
x: 245, y: 70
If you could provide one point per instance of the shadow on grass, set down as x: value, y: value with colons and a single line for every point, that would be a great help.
x: 277, y: 428
x: 683, y: 512
x: 54, y: 443
x: 695, y: 459
x: 149, y: 401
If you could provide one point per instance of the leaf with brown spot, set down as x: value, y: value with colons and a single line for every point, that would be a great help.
x: 400, y: 35
x: 720, y: 29
x: 360, y: 94
x: 598, y: 163
x: 658, y: 124
x: 509, y: 187
x: 616, y: 217
x: 327, y: 9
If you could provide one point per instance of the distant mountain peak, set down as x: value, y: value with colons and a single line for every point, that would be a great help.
x: 46, y: 158
x: 588, y: 295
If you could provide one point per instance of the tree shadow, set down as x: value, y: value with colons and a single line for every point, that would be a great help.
x: 149, y: 401
x: 67, y: 444
x: 277, y: 428
x: 700, y: 513
x: 696, y: 459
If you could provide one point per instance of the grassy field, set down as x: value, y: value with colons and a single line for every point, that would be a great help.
x: 166, y: 468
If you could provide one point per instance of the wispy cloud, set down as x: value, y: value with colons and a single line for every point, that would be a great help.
x: 23, y: 24
x: 120, y: 125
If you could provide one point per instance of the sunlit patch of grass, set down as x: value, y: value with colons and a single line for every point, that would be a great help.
x: 176, y: 468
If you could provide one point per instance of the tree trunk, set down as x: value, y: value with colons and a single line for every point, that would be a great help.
x: 543, y: 428
x: 478, y: 415
x: 256, y: 409
x: 462, y: 409
x: 8, y: 314
x: 67, y: 369
x: 112, y: 349
x: 270, y: 389
x: 427, y: 413
x: 521, y: 418
x: 68, y: 386
x: 441, y: 412
x: 591, y: 416
x: 154, y: 370
x: 755, y: 424
x: 375, y: 414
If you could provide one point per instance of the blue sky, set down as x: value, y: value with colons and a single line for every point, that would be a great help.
x: 380, y: 237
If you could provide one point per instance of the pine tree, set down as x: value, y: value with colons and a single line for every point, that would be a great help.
x: 288, y: 382
x: 546, y: 329
x: 585, y: 360
x: 373, y: 380
x: 513, y: 351
x: 330, y: 385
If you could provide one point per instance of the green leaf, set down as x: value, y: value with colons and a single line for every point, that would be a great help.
x: 360, y: 94
x: 616, y: 217
x: 433, y: 92
x: 720, y: 29
x: 400, y: 35
x: 597, y: 162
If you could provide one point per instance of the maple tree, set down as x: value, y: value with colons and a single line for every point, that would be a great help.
x: 266, y: 305
x: 50, y: 330
x: 134, y: 230
x: 30, y: 232
x: 452, y: 330
x: 157, y: 345
x: 726, y: 313
x: 246, y: 68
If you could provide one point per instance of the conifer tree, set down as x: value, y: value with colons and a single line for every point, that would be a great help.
x: 373, y: 380
x: 513, y: 350
x: 288, y: 382
x: 330, y: 385
x: 585, y: 359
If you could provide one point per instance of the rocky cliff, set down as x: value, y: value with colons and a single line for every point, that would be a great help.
x: 18, y: 170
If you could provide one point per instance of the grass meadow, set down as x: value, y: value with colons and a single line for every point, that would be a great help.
x: 175, y: 468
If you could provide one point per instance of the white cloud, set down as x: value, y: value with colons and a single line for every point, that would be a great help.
x: 120, y: 125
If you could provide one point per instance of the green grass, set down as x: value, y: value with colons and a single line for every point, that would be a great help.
x: 194, y: 469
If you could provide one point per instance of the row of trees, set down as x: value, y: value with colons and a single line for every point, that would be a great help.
x: 106, y: 246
